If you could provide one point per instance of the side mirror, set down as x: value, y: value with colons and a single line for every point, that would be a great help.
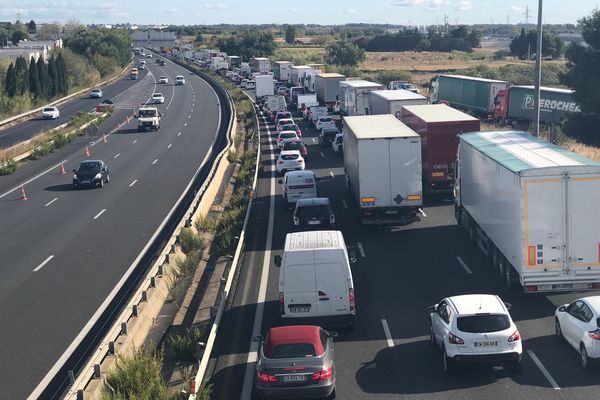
x: 507, y: 305
x: 333, y: 334
x: 280, y: 181
x: 431, y: 309
x: 598, y: 322
x: 563, y: 309
x: 277, y: 260
x: 74, y: 170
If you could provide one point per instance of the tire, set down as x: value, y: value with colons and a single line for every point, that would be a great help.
x: 586, y: 363
x: 447, y: 366
x: 508, y: 275
x: 558, y: 330
x: 101, y: 183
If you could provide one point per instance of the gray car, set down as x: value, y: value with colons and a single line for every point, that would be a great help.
x: 296, y: 362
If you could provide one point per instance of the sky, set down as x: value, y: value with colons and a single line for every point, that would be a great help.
x: 328, y: 12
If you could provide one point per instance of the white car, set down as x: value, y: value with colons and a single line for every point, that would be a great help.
x: 290, y: 160
x: 179, y: 80
x: 158, y: 98
x: 50, y: 113
x: 475, y: 328
x: 337, y: 143
x: 163, y: 79
x: 96, y: 93
x: 324, y: 122
x: 244, y: 82
x: 250, y: 85
x: 286, y: 136
x: 149, y: 55
x: 283, y: 121
x: 578, y: 324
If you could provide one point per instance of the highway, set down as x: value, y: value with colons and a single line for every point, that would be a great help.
x: 63, y: 250
x: 398, y: 273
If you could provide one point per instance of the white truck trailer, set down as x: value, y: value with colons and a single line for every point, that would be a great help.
x: 531, y: 207
x: 260, y: 64
x: 391, y: 101
x: 264, y: 86
x: 327, y: 86
x: 382, y: 159
x: 281, y: 70
x: 354, y: 96
x: 306, y: 100
x: 297, y: 74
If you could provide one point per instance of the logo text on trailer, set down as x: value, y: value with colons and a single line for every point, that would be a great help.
x: 550, y: 105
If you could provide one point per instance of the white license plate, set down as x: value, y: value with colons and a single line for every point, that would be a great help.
x: 85, y: 182
x: 485, y: 344
x: 314, y: 222
x: 299, y: 309
x: 294, y: 378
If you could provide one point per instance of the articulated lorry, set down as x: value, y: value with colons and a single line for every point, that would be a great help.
x: 467, y: 93
x: 382, y: 160
x: 532, y: 208
x: 281, y: 70
x: 392, y: 101
x: 354, y: 96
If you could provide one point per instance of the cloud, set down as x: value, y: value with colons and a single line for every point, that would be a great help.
x: 464, y: 5
x: 351, y: 11
x: 217, y: 6
x: 293, y: 10
x: 516, y: 9
x: 431, y: 4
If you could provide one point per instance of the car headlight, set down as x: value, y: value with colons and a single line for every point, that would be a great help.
x: 75, y: 176
x: 98, y: 176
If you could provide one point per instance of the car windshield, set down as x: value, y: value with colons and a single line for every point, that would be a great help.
x: 48, y: 109
x: 483, y: 323
x: 310, y: 212
x: 293, y: 350
x: 289, y: 157
x: 293, y: 146
x: 157, y: 95
x: 95, y: 90
x: 147, y: 113
x: 287, y: 135
x: 89, y: 166
x: 325, y: 119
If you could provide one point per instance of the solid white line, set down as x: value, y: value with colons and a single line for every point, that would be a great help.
x: 46, y: 261
x: 322, y: 155
x: 388, y: 335
x: 464, y: 265
x: 361, y: 249
x: 262, y: 291
x: 133, y: 183
x: 169, y: 146
x: 422, y: 212
x: 344, y: 203
x: 543, y: 370
x: 332, y: 175
x: 155, y: 161
x: 50, y: 202
x: 100, y: 213
x: 18, y: 187
x: 179, y: 134
x: 118, y: 154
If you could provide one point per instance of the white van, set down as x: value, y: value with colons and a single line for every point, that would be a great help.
x: 298, y: 185
x: 315, y: 281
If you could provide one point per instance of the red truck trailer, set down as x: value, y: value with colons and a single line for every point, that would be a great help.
x: 438, y: 125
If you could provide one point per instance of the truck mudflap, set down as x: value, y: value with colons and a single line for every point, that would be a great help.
x: 389, y: 215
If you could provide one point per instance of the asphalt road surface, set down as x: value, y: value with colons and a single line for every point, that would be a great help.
x: 63, y: 250
x: 398, y: 273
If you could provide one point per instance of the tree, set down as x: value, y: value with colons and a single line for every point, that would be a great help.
x: 290, y: 34
x: 10, y: 83
x: 42, y: 72
x: 344, y: 53
x: 248, y: 44
x: 526, y: 43
x: 63, y: 78
x: 52, y: 88
x: 34, y: 81
x: 31, y: 26
x: 583, y: 76
x: 17, y: 36
x: 22, y: 76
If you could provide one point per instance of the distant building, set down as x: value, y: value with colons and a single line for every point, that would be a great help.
x: 154, y: 40
x: 12, y: 53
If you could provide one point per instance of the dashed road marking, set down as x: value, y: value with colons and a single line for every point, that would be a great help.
x: 361, y: 250
x: 464, y: 265
x: 169, y: 146
x: 422, y: 212
x: 344, y: 203
x: 332, y: 175
x: 133, y: 183
x: 117, y: 155
x: 543, y: 370
x: 134, y: 142
x: 314, y: 140
x: 155, y: 161
x: 388, y: 334
x: 46, y: 261
x: 50, y: 202
x: 322, y: 155
x: 185, y: 124
x: 179, y: 134
x: 100, y: 213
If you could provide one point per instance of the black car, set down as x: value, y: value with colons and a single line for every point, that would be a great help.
x: 162, y: 63
x: 91, y: 173
x: 327, y: 136
x: 314, y: 213
x: 296, y: 145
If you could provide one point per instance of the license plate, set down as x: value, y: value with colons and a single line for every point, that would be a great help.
x: 391, y: 211
x: 314, y: 222
x: 485, y: 344
x: 85, y: 182
x: 294, y: 378
x: 299, y: 309
x: 563, y: 286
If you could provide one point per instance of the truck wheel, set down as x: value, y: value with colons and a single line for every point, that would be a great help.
x: 508, y: 275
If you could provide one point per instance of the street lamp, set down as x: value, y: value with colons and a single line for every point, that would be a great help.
x: 538, y: 72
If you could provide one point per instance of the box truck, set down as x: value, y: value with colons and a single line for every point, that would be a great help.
x: 327, y: 86
x: 306, y: 100
x: 382, y: 160
x: 515, y: 105
x: 281, y: 70
x: 467, y: 93
x: 260, y: 64
x: 275, y: 104
x: 532, y: 208
x: 264, y: 86
x: 391, y: 101
x: 354, y: 96
x: 438, y: 125
x: 297, y: 73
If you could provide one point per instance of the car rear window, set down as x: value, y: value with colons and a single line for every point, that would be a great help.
x: 292, y: 146
x: 48, y: 109
x: 288, y: 157
x: 287, y: 135
x: 309, y: 212
x: 327, y: 119
x: 483, y: 323
x: 293, y: 350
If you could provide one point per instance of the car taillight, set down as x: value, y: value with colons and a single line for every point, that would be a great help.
x: 265, y: 378
x: 279, y: 139
x: 281, y: 298
x: 594, y: 334
x: 352, y: 300
x: 279, y: 161
x: 531, y: 288
x: 300, y: 161
x: 454, y: 339
x: 324, y: 375
x: 514, y: 337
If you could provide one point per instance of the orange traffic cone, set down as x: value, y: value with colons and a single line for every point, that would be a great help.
x: 87, y: 151
x: 62, y: 168
x: 103, y: 138
x: 23, y: 195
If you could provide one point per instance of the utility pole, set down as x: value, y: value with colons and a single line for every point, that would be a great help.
x: 538, y: 72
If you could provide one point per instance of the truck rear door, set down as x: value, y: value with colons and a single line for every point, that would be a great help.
x: 405, y: 172
x: 374, y: 173
x: 584, y: 223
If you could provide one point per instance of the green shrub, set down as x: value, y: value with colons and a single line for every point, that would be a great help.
x: 177, y: 287
x: 185, y: 346
x: 186, y: 268
x: 60, y: 140
x: 189, y: 241
x: 8, y: 166
x: 42, y: 150
x: 206, y: 224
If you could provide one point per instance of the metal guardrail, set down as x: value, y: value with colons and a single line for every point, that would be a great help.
x: 203, y: 364
x: 94, y: 342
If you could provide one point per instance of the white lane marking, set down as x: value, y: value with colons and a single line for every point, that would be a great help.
x: 100, y: 213
x: 133, y: 183
x: 50, y: 202
x: 322, y: 155
x: 134, y: 142
x: 185, y: 124
x: 262, y: 291
x: 20, y: 185
x: 361, y: 249
x: 314, y: 140
x: 118, y: 154
x: 155, y: 161
x: 169, y: 146
x: 344, y: 203
x: 543, y: 370
x: 388, y: 334
x: 422, y: 212
x: 179, y: 134
x: 332, y: 175
x: 464, y: 265
x: 46, y: 261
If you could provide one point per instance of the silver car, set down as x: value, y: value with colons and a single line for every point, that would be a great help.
x: 296, y: 362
